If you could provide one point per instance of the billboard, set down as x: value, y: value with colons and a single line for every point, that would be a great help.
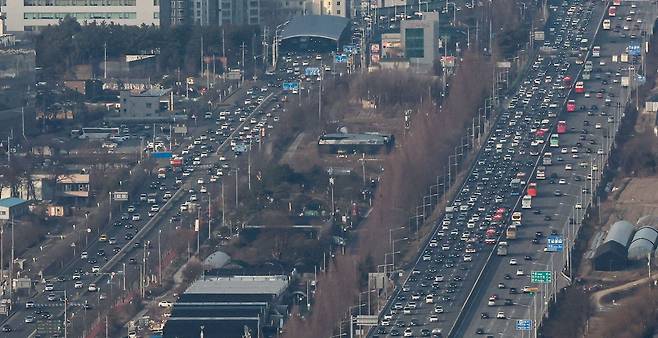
x: 120, y: 195
x: 161, y: 154
x: 634, y: 50
x: 374, y: 48
x: 448, y: 61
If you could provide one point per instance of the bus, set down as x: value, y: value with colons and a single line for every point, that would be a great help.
x: 554, y: 141
x: 612, y: 11
x: 596, y: 51
x: 98, y: 133
x: 571, y: 106
x: 547, y: 159
x: 616, y: 3
x: 580, y: 87
x: 606, y: 24
x: 561, y: 127
x: 515, y: 184
x: 511, y: 232
x: 566, y: 82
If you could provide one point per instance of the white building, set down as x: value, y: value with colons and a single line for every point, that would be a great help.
x: 31, y: 15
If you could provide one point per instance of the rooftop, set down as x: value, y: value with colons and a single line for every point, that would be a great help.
x: 73, y: 179
x: 322, y: 26
x: 240, y: 285
x: 11, y: 202
x: 157, y: 92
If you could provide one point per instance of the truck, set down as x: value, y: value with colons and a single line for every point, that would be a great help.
x: 554, y: 141
x: 502, y: 249
x: 580, y: 87
x: 510, y: 233
x: 606, y: 24
x: 625, y: 81
x: 561, y: 127
x: 526, y: 202
x: 490, y: 236
x: 532, y: 189
x: 571, y: 106
x: 596, y: 51
x: 162, y: 173
x: 541, y: 173
x: 623, y: 57
x: 547, y: 159
x: 515, y: 184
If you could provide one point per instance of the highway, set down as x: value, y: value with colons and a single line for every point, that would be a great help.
x: 459, y: 285
x: 126, y: 251
x: 591, y: 132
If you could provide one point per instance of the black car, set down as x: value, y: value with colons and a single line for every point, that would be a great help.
x: 6, y: 328
x: 484, y: 315
x: 479, y: 330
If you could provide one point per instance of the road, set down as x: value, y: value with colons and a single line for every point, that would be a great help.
x: 448, y: 290
x: 125, y: 253
x: 598, y: 130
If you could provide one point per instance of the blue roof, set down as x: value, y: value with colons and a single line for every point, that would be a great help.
x: 11, y: 202
x: 320, y: 26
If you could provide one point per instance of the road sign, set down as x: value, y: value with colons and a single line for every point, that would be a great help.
x: 120, y: 196
x: 541, y: 277
x: 634, y: 50
x: 340, y: 58
x: 288, y: 86
x: 554, y: 243
x: 524, y: 324
x: 312, y: 71
x: 367, y: 320
x: 640, y: 79
x: 161, y: 154
x: 348, y: 49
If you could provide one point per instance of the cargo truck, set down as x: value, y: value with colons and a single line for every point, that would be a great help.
x: 526, y: 202
x: 502, y: 249
x: 510, y: 233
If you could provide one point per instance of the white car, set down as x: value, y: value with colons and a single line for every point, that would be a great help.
x: 95, y: 268
x: 562, y: 181
x: 165, y: 304
x: 513, y: 261
x: 92, y: 288
x: 438, y: 309
x: 501, y: 315
x: 597, y: 126
x: 78, y: 285
x: 49, y: 287
x: 434, y: 318
x: 568, y: 167
x: 520, y: 272
x: 468, y: 258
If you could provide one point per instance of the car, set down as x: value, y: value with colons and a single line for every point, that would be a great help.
x: 508, y: 302
x: 49, y: 287
x: 165, y: 304
x: 6, y: 328
x: 395, y: 332
x: 433, y: 318
x: 562, y: 181
x: 501, y: 285
x: 76, y: 276
x: 78, y: 285
x: 479, y: 330
x: 29, y: 304
x: 136, y: 217
x: 568, y: 167
x: 513, y: 261
x: 519, y: 272
x: 484, y: 315
x: 29, y: 319
x: 557, y: 193
x: 95, y: 268
x: 408, y: 332
x: 438, y: 309
x: 92, y: 288
x: 51, y: 297
x: 501, y: 315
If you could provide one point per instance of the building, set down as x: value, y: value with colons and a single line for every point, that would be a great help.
x: 229, y: 305
x: 391, y: 46
x: 612, y: 253
x: 72, y: 186
x: 388, y: 3
x: 150, y: 105
x: 32, y: 15
x: 643, y: 243
x: 12, y: 207
x: 239, y: 12
x: 420, y: 41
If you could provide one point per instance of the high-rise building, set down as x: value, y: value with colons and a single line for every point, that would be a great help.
x: 239, y: 12
x: 420, y: 40
x: 31, y: 15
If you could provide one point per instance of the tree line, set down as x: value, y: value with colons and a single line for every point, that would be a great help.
x: 69, y: 43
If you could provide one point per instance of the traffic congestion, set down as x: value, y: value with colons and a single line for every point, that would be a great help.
x: 533, y: 178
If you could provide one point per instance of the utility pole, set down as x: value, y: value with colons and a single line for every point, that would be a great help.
x: 159, y: 257
x: 11, y: 263
x: 105, y: 60
x: 236, y: 187
x: 209, y: 215
x: 201, y: 58
x: 23, y: 122
x: 242, y: 67
x: 223, y: 208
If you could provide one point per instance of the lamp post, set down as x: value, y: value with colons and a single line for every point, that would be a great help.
x: 393, y: 247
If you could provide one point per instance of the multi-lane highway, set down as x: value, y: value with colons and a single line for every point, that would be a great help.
x: 111, y: 264
x: 460, y: 286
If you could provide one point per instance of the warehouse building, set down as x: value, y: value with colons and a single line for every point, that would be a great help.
x: 643, y: 243
x: 232, y: 305
x: 612, y: 253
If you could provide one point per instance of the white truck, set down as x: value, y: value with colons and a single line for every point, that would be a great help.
x: 502, y: 249
x: 526, y: 202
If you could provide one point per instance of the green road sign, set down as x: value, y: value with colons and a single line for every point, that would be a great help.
x: 541, y: 277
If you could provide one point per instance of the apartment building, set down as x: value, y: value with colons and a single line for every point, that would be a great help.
x: 31, y: 15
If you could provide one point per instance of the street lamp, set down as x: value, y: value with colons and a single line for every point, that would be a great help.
x: 390, y: 234
x: 393, y: 247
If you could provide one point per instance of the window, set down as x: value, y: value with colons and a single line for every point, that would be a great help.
x: 148, y: 105
x: 414, y: 43
x: 156, y: 15
x: 338, y: 12
x: 3, y: 213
